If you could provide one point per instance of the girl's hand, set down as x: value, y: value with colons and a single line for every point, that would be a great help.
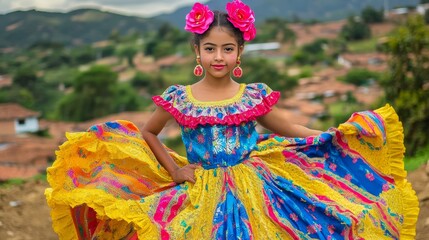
x: 185, y: 173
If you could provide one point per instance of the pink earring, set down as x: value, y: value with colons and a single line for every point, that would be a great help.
x: 237, y: 71
x: 198, y: 70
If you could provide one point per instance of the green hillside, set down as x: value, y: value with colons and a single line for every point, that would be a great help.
x: 23, y: 28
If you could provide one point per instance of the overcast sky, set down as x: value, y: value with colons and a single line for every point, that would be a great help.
x: 145, y: 8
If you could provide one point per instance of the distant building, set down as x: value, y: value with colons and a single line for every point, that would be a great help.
x: 15, y: 119
x: 422, y: 8
x: 5, y: 81
x: 261, y: 47
x: 371, y: 61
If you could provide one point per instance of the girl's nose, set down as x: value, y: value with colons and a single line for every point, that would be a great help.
x: 218, y: 56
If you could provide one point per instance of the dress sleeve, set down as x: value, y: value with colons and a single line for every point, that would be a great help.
x: 263, y: 96
x: 168, y: 99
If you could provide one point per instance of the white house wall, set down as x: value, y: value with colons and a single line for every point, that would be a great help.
x: 28, y: 125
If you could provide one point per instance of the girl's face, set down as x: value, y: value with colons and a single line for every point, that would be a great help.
x: 218, y: 51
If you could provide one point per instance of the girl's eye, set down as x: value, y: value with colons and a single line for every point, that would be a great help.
x: 209, y: 49
x: 229, y: 49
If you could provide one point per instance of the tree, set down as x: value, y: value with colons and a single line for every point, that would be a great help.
x: 427, y: 16
x: 128, y: 52
x: 355, y: 29
x: 25, y: 77
x: 371, y: 15
x: 406, y: 86
x: 275, y: 29
x: 151, y: 82
x: 360, y: 77
x: 312, y: 53
x: 93, y: 96
x: 261, y: 70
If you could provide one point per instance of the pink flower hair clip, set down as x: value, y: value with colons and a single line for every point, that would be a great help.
x: 199, y: 19
x: 243, y: 18
x: 240, y: 15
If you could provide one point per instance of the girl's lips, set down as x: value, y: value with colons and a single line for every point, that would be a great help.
x: 218, y: 67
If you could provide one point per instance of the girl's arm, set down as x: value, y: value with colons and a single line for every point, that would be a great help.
x: 277, y: 122
x: 150, y: 133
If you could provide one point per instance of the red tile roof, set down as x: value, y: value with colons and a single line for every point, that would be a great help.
x: 10, y: 111
x: 22, y: 172
x: 24, y: 156
x: 5, y: 81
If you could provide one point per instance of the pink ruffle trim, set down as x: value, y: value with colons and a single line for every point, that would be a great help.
x: 234, y: 119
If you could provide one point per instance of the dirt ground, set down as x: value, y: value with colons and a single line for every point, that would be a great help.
x: 24, y: 214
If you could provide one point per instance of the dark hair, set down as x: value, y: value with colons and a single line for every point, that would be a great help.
x: 220, y: 20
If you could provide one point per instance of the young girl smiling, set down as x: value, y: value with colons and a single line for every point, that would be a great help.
x: 234, y: 183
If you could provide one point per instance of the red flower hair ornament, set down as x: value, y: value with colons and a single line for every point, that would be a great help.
x: 200, y: 17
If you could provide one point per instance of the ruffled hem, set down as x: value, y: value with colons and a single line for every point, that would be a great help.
x: 393, y: 138
x: 106, y: 207
x: 396, y: 149
x: 234, y: 119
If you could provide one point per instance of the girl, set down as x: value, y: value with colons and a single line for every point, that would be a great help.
x: 345, y: 183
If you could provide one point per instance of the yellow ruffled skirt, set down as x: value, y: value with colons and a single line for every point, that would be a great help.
x: 347, y: 183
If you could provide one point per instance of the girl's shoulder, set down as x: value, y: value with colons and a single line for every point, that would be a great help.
x: 252, y: 101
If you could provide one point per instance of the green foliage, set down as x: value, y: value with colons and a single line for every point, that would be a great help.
x: 360, y: 76
x: 371, y: 15
x: 176, y: 144
x: 275, y: 29
x: 96, y: 93
x: 12, y: 182
x: 58, y: 58
x: 364, y: 46
x: 78, y: 27
x: 165, y: 41
x: 406, y: 85
x: 311, y: 54
x: 127, y: 52
x: 83, y: 55
x: 163, y: 49
x: 30, y: 91
x: 427, y: 17
x: 261, y: 70
x: 126, y: 98
x: 61, y: 76
x: 93, y: 96
x: 420, y: 158
x: 16, y: 94
x: 341, y: 111
x: 151, y: 82
x: 25, y: 77
x: 355, y: 29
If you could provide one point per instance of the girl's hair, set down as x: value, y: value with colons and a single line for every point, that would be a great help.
x: 220, y: 20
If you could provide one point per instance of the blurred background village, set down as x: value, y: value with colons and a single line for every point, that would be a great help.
x: 65, y: 71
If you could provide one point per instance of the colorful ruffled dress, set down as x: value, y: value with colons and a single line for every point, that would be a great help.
x: 346, y: 183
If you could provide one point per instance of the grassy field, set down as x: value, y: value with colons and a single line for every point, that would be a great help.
x: 364, y: 46
x: 422, y: 156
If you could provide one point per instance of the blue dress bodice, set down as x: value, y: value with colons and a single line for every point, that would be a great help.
x: 219, y: 145
x: 221, y: 133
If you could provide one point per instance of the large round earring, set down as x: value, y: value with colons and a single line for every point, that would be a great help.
x: 198, y: 70
x: 237, y: 71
